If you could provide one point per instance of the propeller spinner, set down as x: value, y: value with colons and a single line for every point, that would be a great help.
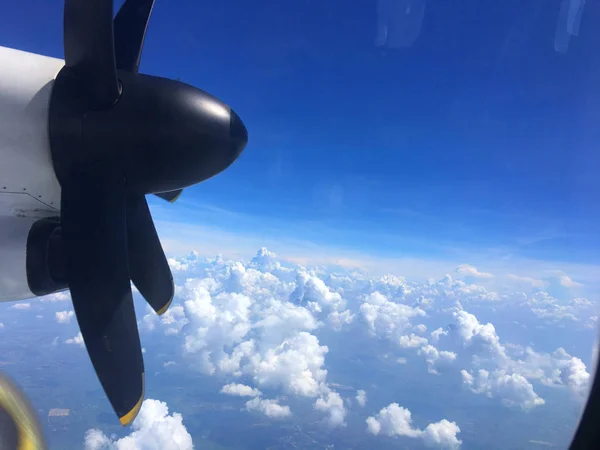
x: 115, y: 136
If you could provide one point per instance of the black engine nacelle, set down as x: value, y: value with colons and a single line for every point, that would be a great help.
x: 45, y: 262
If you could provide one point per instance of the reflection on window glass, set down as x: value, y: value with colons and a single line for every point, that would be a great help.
x: 569, y: 20
x: 399, y: 22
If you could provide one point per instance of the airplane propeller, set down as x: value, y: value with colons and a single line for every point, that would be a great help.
x: 115, y: 136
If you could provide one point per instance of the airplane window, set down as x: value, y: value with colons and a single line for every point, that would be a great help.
x: 301, y: 224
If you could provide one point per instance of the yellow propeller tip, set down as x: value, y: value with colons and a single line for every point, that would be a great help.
x: 132, y: 414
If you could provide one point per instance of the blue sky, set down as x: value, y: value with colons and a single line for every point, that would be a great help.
x: 477, y: 139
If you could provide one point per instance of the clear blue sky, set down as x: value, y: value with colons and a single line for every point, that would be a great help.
x: 478, y: 136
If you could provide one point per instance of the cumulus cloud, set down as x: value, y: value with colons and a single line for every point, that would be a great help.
x: 412, y: 341
x: 480, y: 336
x: 332, y: 403
x: 241, y: 390
x: 361, y: 397
x: 242, y: 320
x: 22, y: 305
x: 394, y: 420
x: 153, y: 428
x: 76, y: 340
x: 441, y: 434
x: 310, y: 289
x: 511, y: 369
x: 569, y: 371
x: 270, y: 408
x: 337, y: 320
x: 215, y: 322
x: 466, y: 270
x: 435, y: 357
x: 575, y: 375
x: 437, y: 333
x: 514, y: 389
x: 64, y: 316
x: 296, y: 366
x: 386, y: 318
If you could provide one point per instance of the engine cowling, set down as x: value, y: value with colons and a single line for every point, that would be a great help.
x: 45, y: 263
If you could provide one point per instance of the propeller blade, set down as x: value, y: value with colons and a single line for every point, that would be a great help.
x: 130, y: 26
x: 89, y: 48
x: 94, y: 232
x: 148, y: 266
x: 170, y: 196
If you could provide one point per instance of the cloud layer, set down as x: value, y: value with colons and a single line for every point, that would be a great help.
x: 262, y: 327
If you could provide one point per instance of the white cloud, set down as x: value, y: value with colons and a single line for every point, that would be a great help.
x: 23, y: 305
x: 153, y: 428
x: 64, y: 316
x: 312, y: 292
x: 386, y: 318
x: 412, y: 341
x: 174, y: 319
x: 76, y: 340
x: 448, y: 289
x: 466, y: 270
x: 575, y: 375
x: 477, y: 335
x: 332, y: 403
x: 270, y: 408
x: 282, y: 320
x: 265, y: 259
x: 337, y: 320
x: 214, y: 322
x: 582, y: 302
x: 513, y: 389
x: 177, y: 266
x: 435, y: 357
x: 566, y: 370
x: 533, y: 282
x: 437, y: 333
x: 545, y: 306
x: 296, y: 366
x: 61, y: 296
x: 1, y: 325
x: 441, y: 434
x: 241, y: 390
x: 394, y: 420
x: 511, y: 368
x: 361, y: 397
x: 567, y: 281
x: 421, y: 328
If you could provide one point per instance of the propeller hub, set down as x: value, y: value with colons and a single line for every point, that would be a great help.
x: 162, y: 134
